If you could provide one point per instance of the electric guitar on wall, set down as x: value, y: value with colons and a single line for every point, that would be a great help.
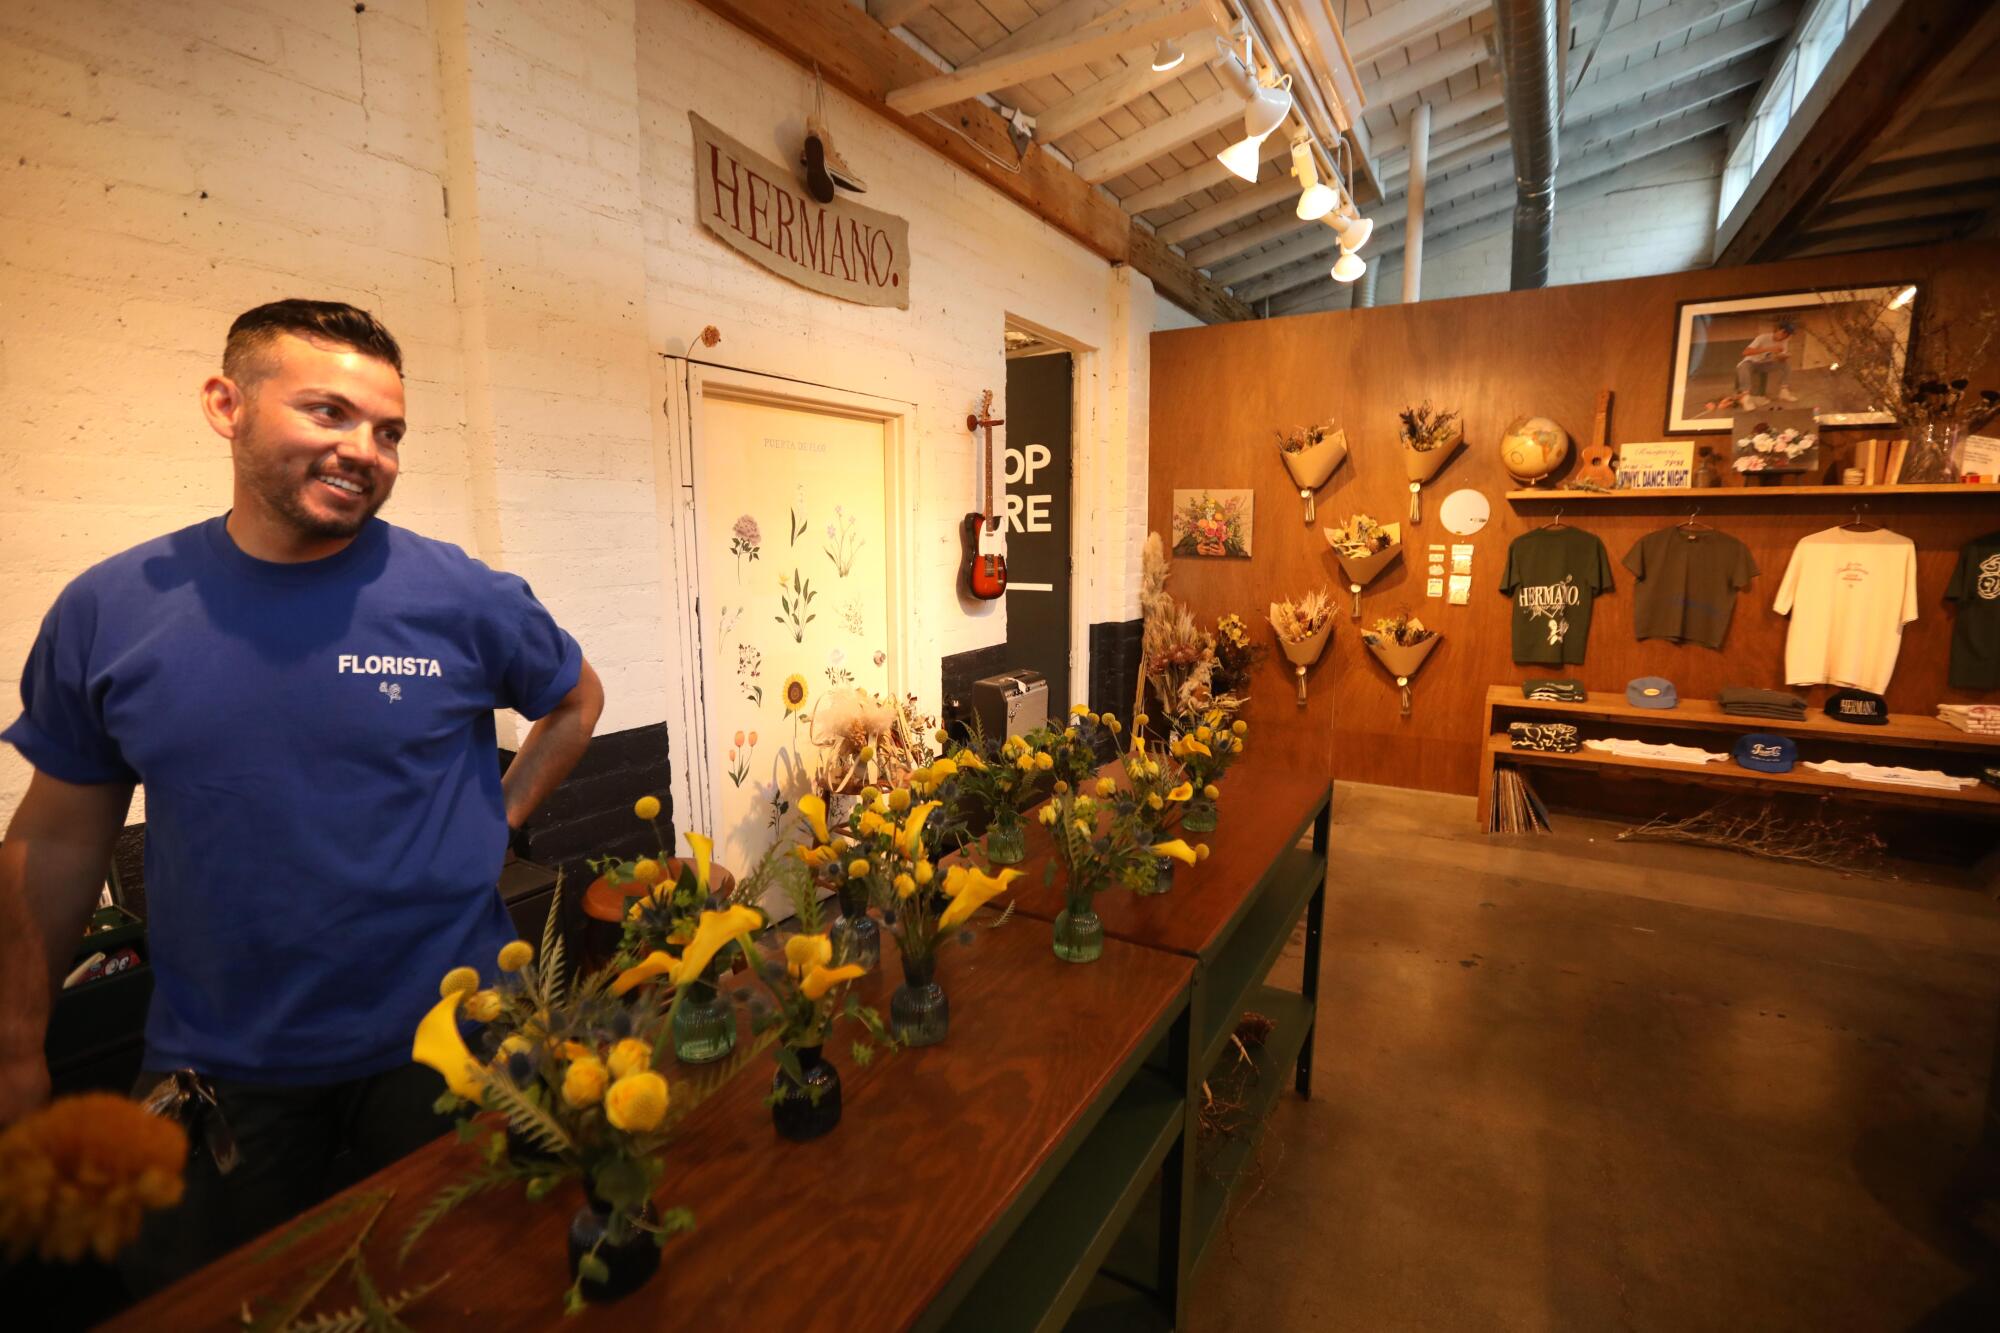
x: 984, y: 577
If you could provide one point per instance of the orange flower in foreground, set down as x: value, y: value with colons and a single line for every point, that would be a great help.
x: 77, y: 1176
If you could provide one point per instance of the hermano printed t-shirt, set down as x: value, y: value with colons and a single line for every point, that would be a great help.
x: 1553, y: 575
x: 1975, y: 637
x: 1849, y: 594
x: 324, y: 819
x: 1687, y: 584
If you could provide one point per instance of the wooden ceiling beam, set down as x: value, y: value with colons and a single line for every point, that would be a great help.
x: 1181, y: 283
x: 1212, y: 113
x: 1257, y: 233
x: 1628, y: 85
x: 1196, y: 179
x: 895, y: 13
x: 1400, y: 24
x: 1250, y: 199
x: 1098, y: 41
x: 1432, y: 69
x: 1107, y: 95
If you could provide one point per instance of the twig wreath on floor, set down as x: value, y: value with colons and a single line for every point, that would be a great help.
x: 1430, y: 437
x: 1310, y: 454
x: 1303, y: 626
x: 1365, y: 548
x: 1401, y: 644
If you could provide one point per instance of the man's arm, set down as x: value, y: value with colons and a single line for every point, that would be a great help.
x: 552, y: 747
x: 52, y: 867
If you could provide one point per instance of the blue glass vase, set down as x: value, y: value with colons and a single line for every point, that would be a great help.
x: 630, y: 1256
x: 805, y: 1110
x: 855, y: 936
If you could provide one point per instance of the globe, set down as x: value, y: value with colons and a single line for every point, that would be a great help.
x: 1532, y: 447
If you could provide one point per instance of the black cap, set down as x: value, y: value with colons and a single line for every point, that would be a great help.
x: 1870, y: 710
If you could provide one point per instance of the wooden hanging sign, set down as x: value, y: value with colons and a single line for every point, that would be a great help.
x: 760, y: 210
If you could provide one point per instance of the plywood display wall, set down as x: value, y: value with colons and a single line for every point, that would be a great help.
x: 1221, y: 394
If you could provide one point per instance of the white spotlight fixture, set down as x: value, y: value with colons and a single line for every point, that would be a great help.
x: 1317, y: 199
x: 1242, y: 158
x: 1269, y: 106
x: 1354, y: 232
x: 1349, y: 266
x: 1167, y: 55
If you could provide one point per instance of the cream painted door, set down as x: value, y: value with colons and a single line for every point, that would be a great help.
x: 794, y: 544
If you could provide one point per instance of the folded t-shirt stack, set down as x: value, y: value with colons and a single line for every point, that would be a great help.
x: 1893, y: 776
x: 1631, y: 749
x: 1554, y: 689
x: 1747, y: 702
x: 1979, y: 719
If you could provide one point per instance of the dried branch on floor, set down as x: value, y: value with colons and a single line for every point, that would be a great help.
x: 1832, y: 843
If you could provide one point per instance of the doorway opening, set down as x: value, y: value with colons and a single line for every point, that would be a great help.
x: 1037, y: 469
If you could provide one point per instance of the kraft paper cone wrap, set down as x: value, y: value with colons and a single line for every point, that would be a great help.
x: 1311, y: 466
x: 1422, y: 465
x: 1403, y: 659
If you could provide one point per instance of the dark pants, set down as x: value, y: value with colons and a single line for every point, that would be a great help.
x: 295, y: 1146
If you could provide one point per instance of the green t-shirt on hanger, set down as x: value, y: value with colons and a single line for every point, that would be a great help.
x: 1975, y: 637
x: 1688, y: 579
x: 1553, y: 575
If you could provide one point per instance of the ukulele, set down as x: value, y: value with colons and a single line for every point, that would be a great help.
x: 984, y: 576
x: 1596, y: 472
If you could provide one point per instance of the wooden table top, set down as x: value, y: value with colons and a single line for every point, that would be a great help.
x: 1268, y: 802
x: 858, y: 1230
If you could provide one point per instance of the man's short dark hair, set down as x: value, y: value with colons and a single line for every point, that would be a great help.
x: 336, y: 322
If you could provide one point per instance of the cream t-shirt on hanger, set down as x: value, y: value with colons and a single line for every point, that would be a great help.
x: 1849, y: 595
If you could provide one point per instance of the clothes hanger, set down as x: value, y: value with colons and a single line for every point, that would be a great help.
x: 1859, y: 524
x: 1555, y: 522
x: 1693, y: 523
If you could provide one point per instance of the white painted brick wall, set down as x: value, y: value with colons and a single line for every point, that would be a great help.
x: 163, y: 167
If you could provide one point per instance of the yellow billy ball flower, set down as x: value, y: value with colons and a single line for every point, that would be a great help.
x: 515, y: 955
x: 637, y: 1103
x: 458, y: 979
x: 1240, y: 727
x: 1045, y: 762
x: 899, y: 799
x: 1201, y: 851
x: 858, y: 867
x: 905, y: 886
x: 867, y: 753
x: 1061, y: 787
x: 1078, y: 710
x: 1140, y: 719
x: 1203, y: 734
x: 482, y: 1006
x: 646, y: 870
x: 1069, y: 733
x: 1105, y: 786
x: 630, y: 1056
x: 805, y: 952
x: 1113, y: 725
x: 943, y: 736
x: 925, y: 872
x: 1211, y: 791
x: 869, y: 793
x: 584, y: 1080
x: 647, y: 807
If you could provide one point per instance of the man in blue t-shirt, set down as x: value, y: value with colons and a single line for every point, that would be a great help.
x: 307, y: 695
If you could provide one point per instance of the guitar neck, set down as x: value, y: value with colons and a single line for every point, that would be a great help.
x: 1598, y: 432
x: 990, y: 508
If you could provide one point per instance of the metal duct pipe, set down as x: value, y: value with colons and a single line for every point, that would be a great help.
x: 1526, y: 32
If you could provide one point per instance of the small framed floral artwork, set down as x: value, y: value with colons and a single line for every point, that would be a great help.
x: 1776, y: 442
x: 1213, y: 523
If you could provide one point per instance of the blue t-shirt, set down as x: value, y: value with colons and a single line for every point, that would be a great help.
x: 324, y: 821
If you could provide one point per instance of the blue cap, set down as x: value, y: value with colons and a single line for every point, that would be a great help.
x: 1651, y: 692
x: 1766, y: 752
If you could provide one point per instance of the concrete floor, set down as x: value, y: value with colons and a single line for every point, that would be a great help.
x: 1570, y: 1083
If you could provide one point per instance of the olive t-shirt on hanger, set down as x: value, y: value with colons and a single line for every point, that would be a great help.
x: 1553, y: 575
x: 1975, y: 637
x: 1688, y: 579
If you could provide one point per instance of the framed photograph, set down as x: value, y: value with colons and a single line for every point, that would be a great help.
x: 1213, y: 523
x: 1759, y: 353
x: 1775, y: 442
x: 1656, y: 465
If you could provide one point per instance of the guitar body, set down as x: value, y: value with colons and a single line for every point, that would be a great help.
x: 983, y: 576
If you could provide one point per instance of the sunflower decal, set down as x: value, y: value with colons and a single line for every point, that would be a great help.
x: 795, y: 693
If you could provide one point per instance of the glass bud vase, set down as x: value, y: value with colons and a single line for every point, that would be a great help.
x: 919, y: 1013
x: 629, y: 1255
x: 1007, y: 839
x: 1079, y: 935
x: 1198, y: 815
x: 705, y: 1020
x: 802, y: 1112
x: 1163, y: 874
x: 856, y: 936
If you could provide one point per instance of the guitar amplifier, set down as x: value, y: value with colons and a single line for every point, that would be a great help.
x: 1011, y: 703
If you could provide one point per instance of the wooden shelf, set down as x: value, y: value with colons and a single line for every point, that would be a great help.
x: 1912, y: 729
x: 1754, y: 492
x: 1978, y: 796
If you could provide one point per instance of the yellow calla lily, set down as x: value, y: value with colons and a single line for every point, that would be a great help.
x: 971, y: 889
x: 913, y: 829
x: 822, y: 979
x: 813, y: 807
x: 655, y: 964
x: 439, y: 1045
x: 711, y: 932
x: 1193, y: 746
x: 1138, y: 743
x: 704, y: 851
x: 1178, y: 849
x: 1182, y: 792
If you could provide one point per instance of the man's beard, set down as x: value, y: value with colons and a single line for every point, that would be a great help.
x: 282, y: 494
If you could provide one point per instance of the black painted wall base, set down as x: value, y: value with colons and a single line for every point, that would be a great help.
x: 590, y: 814
x: 1114, y: 666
